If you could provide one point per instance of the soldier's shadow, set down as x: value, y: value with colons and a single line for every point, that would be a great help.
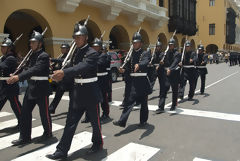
x: 9, y: 131
x: 154, y: 97
x: 82, y: 153
x: 195, y: 101
x: 148, y: 130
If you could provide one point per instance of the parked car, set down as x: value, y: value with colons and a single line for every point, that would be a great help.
x: 115, y: 65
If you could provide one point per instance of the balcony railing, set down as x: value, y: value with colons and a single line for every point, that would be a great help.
x: 137, y: 10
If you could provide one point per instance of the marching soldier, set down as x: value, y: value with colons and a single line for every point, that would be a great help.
x: 37, y: 92
x: 188, y: 72
x: 139, y: 83
x: 103, y: 79
x: 201, y: 63
x: 61, y: 87
x: 104, y: 50
x: 155, y: 63
x: 168, y: 75
x: 10, y: 92
x: 103, y: 82
x: 84, y: 96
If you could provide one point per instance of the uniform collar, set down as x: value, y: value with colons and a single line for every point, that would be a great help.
x: 138, y: 50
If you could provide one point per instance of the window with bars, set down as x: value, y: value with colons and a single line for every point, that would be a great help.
x: 211, y: 29
x: 161, y: 3
x: 211, y: 2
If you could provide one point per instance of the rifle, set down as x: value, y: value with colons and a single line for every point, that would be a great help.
x: 19, y: 37
x: 26, y: 58
x: 72, y: 49
x: 129, y: 54
x: 183, y: 53
x: 165, y: 52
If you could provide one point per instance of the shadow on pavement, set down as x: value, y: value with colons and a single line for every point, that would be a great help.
x: 82, y: 153
x: 148, y: 130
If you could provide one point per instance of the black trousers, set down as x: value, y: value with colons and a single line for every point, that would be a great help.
x: 74, y: 115
x: 26, y: 119
x: 104, y: 104
x: 165, y: 83
x: 143, y: 100
x: 127, y: 91
x: 15, y: 105
x: 58, y: 96
x: 203, y: 80
x: 192, y: 84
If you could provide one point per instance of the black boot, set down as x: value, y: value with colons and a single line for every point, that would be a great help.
x: 21, y: 141
x: 118, y: 123
x: 57, y: 155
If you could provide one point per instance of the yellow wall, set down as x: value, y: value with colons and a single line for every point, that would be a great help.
x: 208, y: 15
x: 61, y: 24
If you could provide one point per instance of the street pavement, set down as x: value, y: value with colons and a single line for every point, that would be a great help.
x: 207, y: 128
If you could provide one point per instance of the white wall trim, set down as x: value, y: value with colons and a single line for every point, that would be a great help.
x: 2, y: 36
x: 57, y: 40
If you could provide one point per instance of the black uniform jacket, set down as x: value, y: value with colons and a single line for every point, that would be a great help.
x: 8, y: 65
x: 140, y: 85
x: 171, y: 62
x: 202, y: 58
x: 189, y: 72
x: 37, y: 66
x: 57, y: 62
x: 84, y: 66
x: 103, y: 64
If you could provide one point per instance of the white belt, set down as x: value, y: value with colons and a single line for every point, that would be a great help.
x: 102, y: 74
x: 108, y: 68
x: 156, y: 64
x: 87, y: 80
x: 38, y: 78
x: 188, y: 66
x: 138, y: 74
x: 4, y: 78
x: 166, y: 68
x: 201, y: 67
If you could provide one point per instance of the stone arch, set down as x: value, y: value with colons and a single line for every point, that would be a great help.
x: 211, y: 49
x: 145, y: 39
x: 163, y: 39
x: 176, y: 42
x: 119, y: 38
x: 93, y: 30
x: 193, y: 45
x: 25, y: 21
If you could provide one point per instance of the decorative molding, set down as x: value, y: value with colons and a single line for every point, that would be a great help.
x: 57, y: 41
x: 110, y: 13
x: 67, y: 5
x: 136, y: 20
x: 137, y: 10
x: 2, y: 36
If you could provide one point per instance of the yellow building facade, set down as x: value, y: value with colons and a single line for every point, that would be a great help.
x: 118, y: 18
x: 214, y: 13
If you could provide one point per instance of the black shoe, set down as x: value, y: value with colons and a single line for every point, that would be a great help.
x: 45, y: 136
x: 95, y: 148
x: 122, y: 105
x: 57, y: 155
x: 158, y: 111
x: 118, y: 123
x: 51, y: 110
x: 190, y: 98
x: 21, y: 141
x: 137, y: 103
x: 142, y: 124
x: 85, y: 120
x: 202, y: 93
x: 104, y: 117
x: 173, y: 108
x: 180, y: 97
